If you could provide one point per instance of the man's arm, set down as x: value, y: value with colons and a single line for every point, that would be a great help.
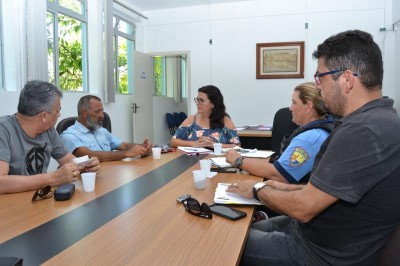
x: 302, y: 202
x: 126, y: 150
x: 18, y: 183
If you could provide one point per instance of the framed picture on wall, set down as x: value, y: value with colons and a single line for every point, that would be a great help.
x: 280, y: 60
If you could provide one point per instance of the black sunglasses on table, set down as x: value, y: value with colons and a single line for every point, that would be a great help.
x: 192, y: 206
x: 42, y: 193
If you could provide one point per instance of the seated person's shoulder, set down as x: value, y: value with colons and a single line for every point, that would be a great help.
x: 188, y: 121
x: 313, y: 134
x: 229, y: 123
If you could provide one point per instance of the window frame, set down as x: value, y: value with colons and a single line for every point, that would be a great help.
x: 129, y: 53
x: 167, y: 76
x: 55, y: 8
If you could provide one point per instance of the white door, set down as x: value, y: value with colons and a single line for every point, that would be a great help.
x: 143, y: 86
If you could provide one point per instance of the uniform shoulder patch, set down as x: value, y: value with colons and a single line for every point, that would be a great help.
x: 298, y: 157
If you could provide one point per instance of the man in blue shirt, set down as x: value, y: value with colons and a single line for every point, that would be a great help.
x: 88, y: 137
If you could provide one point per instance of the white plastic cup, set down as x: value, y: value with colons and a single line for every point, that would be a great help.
x: 88, y: 180
x: 81, y: 160
x: 217, y: 148
x: 199, y: 177
x: 156, y: 152
x: 205, y: 166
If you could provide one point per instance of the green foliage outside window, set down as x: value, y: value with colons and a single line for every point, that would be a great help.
x: 158, y: 75
x: 122, y: 67
x: 68, y: 68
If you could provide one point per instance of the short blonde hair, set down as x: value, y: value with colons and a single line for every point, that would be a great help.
x: 308, y: 92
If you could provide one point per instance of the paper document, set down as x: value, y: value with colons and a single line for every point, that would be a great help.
x: 192, y: 150
x: 220, y: 162
x: 257, y: 154
x: 223, y: 197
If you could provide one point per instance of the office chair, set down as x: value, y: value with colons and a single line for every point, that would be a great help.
x: 171, y: 122
x: 281, y: 127
x: 178, y: 120
x: 69, y: 121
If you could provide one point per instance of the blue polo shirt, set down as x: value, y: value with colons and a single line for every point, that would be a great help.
x: 298, y: 158
x: 78, y: 135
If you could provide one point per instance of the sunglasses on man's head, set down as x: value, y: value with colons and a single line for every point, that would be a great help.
x: 192, y: 206
x: 42, y: 193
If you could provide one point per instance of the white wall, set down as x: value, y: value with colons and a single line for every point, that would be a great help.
x: 235, y: 28
x: 230, y: 62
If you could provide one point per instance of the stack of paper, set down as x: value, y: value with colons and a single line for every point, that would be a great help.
x: 191, y: 150
x: 257, y: 154
x: 223, y: 197
x: 220, y: 162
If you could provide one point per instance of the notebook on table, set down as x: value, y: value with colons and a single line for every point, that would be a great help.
x: 192, y: 150
x: 223, y: 197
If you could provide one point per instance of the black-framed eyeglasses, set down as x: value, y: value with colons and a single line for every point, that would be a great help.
x: 199, y: 101
x: 42, y: 193
x: 318, y: 75
x: 192, y: 206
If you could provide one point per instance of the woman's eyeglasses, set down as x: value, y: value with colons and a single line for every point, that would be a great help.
x: 199, y: 101
x: 192, y: 206
x: 42, y: 193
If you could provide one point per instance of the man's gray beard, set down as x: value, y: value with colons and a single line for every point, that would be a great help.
x: 92, y: 124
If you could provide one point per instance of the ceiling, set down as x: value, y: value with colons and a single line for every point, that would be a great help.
x: 148, y: 5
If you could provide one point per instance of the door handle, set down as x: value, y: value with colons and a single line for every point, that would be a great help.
x: 135, y: 107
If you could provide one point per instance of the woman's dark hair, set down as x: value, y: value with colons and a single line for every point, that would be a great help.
x: 218, y: 113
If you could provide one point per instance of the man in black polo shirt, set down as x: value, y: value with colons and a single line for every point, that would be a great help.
x: 351, y: 204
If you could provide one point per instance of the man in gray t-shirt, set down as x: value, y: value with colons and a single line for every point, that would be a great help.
x: 351, y: 205
x: 28, y: 140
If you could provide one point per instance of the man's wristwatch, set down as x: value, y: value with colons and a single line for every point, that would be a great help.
x: 238, y: 162
x: 256, y: 188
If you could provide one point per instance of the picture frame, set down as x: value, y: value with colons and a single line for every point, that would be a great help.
x: 280, y: 60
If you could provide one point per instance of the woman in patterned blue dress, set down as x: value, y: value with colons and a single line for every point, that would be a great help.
x: 210, y: 125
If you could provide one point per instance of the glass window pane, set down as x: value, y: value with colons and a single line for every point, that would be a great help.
x: 125, y: 27
x: 74, y: 5
x: 158, y: 75
x: 70, y: 53
x: 50, y: 46
x: 122, y: 65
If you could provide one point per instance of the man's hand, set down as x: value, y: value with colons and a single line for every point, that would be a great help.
x: 67, y: 173
x: 147, y: 144
x: 93, y: 165
x: 136, y: 150
x: 243, y: 189
x: 231, y: 156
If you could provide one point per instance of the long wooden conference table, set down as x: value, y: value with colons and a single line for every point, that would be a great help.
x: 132, y: 218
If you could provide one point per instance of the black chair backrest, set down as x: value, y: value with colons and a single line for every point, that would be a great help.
x: 183, y: 116
x: 389, y: 255
x: 281, y: 127
x: 178, y: 120
x: 69, y: 121
x: 171, y: 122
